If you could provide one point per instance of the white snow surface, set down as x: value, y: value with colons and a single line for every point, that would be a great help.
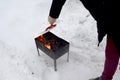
x: 23, y: 20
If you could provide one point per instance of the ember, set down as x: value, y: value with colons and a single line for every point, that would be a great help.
x: 47, y: 46
x: 47, y: 42
x: 52, y: 45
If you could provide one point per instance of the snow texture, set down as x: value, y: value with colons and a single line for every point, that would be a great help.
x: 23, y: 20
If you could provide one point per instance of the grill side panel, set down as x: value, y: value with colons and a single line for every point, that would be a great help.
x: 44, y: 49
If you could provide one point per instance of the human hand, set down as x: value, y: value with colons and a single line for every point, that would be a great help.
x: 51, y: 20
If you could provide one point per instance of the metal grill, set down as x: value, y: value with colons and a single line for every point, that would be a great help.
x: 52, y: 45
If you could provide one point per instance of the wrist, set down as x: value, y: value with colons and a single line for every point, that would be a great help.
x: 51, y: 20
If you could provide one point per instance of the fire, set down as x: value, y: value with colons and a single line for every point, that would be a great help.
x: 45, y: 42
x: 47, y: 46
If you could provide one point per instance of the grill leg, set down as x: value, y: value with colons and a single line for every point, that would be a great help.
x: 55, y: 66
x: 68, y: 57
x: 38, y: 51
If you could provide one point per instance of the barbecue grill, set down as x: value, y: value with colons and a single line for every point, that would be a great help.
x: 52, y: 45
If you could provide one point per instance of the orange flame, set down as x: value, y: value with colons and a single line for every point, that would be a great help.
x: 48, y: 46
x: 45, y: 43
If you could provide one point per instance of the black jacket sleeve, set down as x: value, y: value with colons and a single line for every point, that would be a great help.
x: 56, y: 8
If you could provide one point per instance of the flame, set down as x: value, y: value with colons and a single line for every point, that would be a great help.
x: 41, y: 38
x: 47, y: 46
x: 45, y: 43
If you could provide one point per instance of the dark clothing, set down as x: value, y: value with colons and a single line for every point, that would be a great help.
x: 56, y: 8
x: 101, y: 10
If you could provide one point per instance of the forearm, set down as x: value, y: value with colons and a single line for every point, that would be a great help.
x: 56, y: 8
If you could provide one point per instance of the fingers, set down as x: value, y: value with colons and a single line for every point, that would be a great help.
x: 51, y: 20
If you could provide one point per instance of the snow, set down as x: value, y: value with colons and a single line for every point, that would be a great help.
x: 23, y: 20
